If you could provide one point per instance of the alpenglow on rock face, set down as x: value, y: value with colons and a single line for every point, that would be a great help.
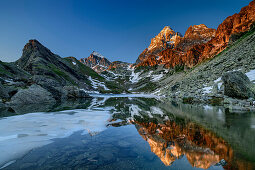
x: 97, y: 62
x: 170, y: 48
x: 199, y: 42
x: 165, y: 39
x: 195, y: 35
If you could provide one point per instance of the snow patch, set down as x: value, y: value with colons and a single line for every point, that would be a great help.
x: 157, y: 77
x: 134, y: 110
x: 251, y: 75
x: 156, y: 110
x: 97, y: 54
x: 74, y: 63
x: 207, y: 90
x: 134, y: 78
x: 207, y: 108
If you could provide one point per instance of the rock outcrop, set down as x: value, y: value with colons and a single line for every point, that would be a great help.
x: 237, y: 85
x: 35, y: 94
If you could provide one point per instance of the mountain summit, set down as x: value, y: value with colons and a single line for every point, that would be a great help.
x: 96, y: 61
x: 165, y: 39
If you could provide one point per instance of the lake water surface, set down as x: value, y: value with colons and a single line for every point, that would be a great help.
x: 125, y: 132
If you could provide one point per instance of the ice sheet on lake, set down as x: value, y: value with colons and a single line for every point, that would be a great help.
x: 19, y: 134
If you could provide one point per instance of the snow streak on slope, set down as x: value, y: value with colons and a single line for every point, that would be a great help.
x: 134, y: 78
x: 95, y: 84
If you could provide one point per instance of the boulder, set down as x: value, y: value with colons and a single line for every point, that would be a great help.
x: 75, y: 92
x: 51, y: 85
x: 35, y: 94
x: 237, y: 85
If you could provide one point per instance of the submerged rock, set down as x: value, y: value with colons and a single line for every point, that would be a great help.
x: 75, y: 92
x: 237, y: 85
x: 33, y: 95
x: 1, y: 104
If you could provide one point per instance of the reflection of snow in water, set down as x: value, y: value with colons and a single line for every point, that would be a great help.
x: 19, y: 134
x: 156, y: 110
x: 126, y: 95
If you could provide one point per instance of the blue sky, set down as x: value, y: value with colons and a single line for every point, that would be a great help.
x: 118, y: 29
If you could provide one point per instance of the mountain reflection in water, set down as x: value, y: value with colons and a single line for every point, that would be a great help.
x: 171, y: 141
x: 204, y: 136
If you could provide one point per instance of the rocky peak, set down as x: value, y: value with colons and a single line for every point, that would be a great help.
x: 96, y: 61
x: 166, y: 37
x: 195, y: 35
x: 34, y: 51
x: 32, y: 44
x: 94, y: 53
x: 200, y: 32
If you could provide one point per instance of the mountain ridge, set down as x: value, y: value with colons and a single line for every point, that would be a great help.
x: 189, y: 53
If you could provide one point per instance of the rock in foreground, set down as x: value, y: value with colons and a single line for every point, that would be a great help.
x: 238, y: 85
x: 35, y: 94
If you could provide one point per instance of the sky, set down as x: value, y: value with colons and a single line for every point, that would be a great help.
x: 118, y: 29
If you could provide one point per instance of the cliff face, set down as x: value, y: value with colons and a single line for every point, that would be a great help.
x: 195, y: 35
x: 199, y: 42
x: 232, y: 25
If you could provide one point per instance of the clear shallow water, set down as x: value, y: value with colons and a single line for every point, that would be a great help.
x: 125, y: 133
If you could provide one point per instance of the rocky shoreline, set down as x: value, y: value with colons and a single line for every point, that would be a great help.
x: 234, y: 91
